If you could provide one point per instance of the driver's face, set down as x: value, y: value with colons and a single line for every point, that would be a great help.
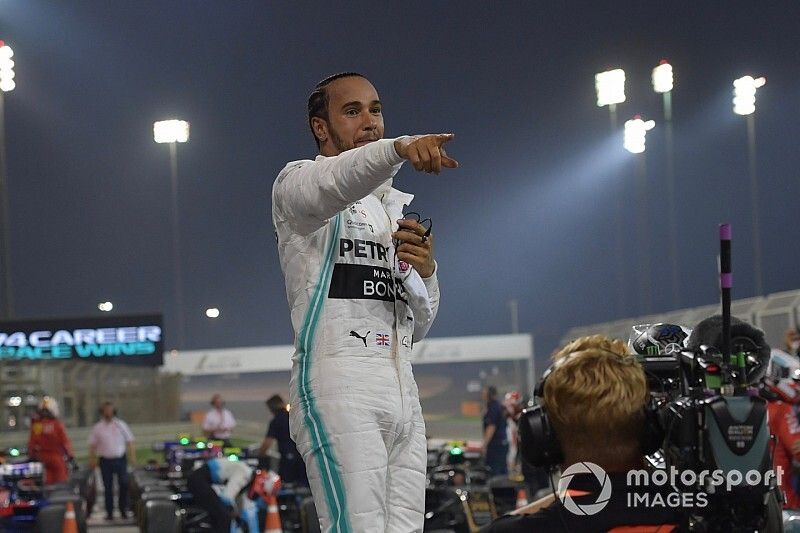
x: 355, y: 116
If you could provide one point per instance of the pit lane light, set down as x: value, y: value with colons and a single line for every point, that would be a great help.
x: 635, y: 133
x: 610, y: 86
x: 662, y: 77
x: 6, y: 68
x: 744, y: 94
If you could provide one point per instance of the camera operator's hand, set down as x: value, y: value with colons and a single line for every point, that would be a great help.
x: 416, y: 249
x: 426, y: 152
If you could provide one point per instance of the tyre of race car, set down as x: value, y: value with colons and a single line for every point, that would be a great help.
x: 51, y: 518
x: 308, y: 516
x: 161, y: 516
x: 140, y: 506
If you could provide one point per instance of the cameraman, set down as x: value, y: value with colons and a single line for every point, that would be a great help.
x: 594, y: 396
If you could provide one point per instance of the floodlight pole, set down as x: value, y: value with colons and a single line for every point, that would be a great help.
x: 5, y: 245
x: 642, y: 214
x: 513, y: 305
x: 176, y: 247
x: 672, y: 218
x: 752, y: 160
x: 612, y: 115
x: 619, y: 232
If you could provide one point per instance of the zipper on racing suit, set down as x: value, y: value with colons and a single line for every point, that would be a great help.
x: 395, y: 335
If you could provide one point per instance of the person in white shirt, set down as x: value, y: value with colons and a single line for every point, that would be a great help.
x: 219, y: 422
x: 109, y: 440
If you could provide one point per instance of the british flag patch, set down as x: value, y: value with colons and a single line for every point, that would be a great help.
x: 381, y: 339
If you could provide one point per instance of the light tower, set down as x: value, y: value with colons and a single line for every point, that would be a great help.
x: 173, y: 132
x: 7, y: 84
x: 744, y: 103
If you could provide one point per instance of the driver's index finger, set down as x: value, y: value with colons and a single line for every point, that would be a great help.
x: 444, y: 137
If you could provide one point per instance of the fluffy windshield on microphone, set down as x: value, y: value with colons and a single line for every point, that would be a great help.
x: 709, y: 333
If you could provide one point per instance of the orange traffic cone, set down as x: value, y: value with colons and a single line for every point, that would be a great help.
x: 522, y: 500
x: 70, y: 523
x: 272, y: 524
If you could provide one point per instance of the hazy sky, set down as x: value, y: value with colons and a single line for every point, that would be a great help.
x: 530, y: 214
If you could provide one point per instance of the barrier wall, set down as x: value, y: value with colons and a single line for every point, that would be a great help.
x: 774, y: 314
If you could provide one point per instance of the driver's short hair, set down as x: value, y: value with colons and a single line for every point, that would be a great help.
x: 319, y: 98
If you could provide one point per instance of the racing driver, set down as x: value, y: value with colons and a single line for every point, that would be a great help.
x: 362, y: 288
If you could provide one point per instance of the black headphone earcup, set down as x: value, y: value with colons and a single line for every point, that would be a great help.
x: 652, y: 431
x: 539, y: 443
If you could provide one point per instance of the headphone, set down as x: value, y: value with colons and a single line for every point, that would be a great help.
x: 540, y: 445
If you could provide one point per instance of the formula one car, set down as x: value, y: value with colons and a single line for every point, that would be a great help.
x: 26, y: 504
x: 162, y: 502
x: 462, y: 496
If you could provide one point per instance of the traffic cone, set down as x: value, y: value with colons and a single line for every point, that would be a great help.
x: 272, y: 524
x: 70, y: 523
x: 522, y: 500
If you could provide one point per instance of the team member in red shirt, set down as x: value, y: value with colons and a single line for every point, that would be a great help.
x: 48, y: 442
x: 783, y: 392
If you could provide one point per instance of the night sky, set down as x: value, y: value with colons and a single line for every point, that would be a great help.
x: 529, y: 215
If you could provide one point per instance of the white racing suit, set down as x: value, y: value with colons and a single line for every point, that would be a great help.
x: 355, y: 413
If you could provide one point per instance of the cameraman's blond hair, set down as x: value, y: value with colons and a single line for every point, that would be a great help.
x: 595, y: 396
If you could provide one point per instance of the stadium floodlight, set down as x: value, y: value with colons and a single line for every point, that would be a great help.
x: 105, y: 306
x: 635, y: 133
x: 663, y: 80
x: 212, y: 312
x: 610, y: 86
x: 744, y: 94
x: 6, y: 68
x: 171, y: 131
